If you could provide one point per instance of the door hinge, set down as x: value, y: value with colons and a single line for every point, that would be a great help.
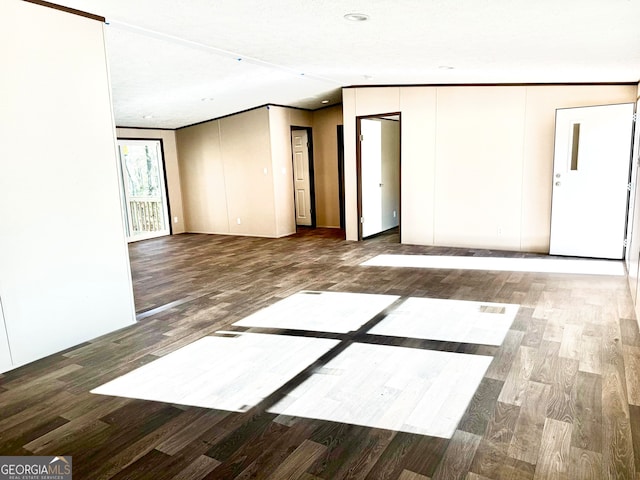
x: 625, y: 243
x: 361, y: 219
x: 361, y: 138
x: 635, y: 116
x: 629, y: 186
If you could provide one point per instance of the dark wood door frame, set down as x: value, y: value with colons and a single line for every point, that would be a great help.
x: 164, y: 174
x: 359, y: 167
x: 340, y: 133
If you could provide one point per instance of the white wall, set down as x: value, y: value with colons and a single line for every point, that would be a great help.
x: 172, y: 171
x: 478, y: 171
x: 64, y: 267
x: 476, y: 161
x: 417, y: 204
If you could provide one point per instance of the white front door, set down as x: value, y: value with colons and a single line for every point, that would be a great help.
x: 301, y: 182
x: 144, y: 196
x: 590, y: 177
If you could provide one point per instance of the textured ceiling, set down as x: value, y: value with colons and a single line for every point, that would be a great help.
x: 187, y: 61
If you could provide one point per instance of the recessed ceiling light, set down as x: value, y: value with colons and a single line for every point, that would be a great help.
x: 325, y: 101
x: 356, y: 17
x: 446, y: 67
x: 147, y: 117
x: 207, y: 99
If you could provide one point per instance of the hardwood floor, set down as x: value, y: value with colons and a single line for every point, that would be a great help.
x: 561, y: 398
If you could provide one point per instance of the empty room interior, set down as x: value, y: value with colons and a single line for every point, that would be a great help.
x: 321, y: 240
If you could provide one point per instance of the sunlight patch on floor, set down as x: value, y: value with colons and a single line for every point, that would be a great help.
x: 397, y: 388
x: 449, y: 320
x: 335, y: 312
x: 223, y: 372
x: 415, y: 390
x: 539, y: 265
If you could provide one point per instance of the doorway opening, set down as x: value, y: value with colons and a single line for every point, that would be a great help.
x: 304, y: 197
x: 340, y: 134
x: 378, y: 172
x: 143, y: 189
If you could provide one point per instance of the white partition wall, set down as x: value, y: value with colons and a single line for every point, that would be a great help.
x: 478, y: 169
x: 64, y: 268
x: 477, y: 161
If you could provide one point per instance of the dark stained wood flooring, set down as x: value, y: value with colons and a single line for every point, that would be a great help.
x: 561, y: 399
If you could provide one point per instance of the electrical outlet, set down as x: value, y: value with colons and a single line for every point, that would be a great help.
x: 394, y: 214
x: 175, y: 219
x: 238, y: 221
x: 499, y: 231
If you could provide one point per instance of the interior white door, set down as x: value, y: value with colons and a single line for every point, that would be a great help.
x: 371, y: 175
x: 590, y: 177
x: 5, y: 352
x: 302, y: 183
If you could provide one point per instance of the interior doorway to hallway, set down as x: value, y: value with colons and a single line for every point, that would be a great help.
x: 378, y: 173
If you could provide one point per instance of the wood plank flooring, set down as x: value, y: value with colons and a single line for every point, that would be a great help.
x: 560, y: 399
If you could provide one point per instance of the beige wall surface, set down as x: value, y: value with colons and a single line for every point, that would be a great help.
x: 246, y: 154
x: 172, y: 171
x: 281, y: 120
x: 227, y: 175
x: 64, y: 265
x: 202, y: 179
x: 223, y: 164
x: 476, y: 161
x: 325, y: 159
